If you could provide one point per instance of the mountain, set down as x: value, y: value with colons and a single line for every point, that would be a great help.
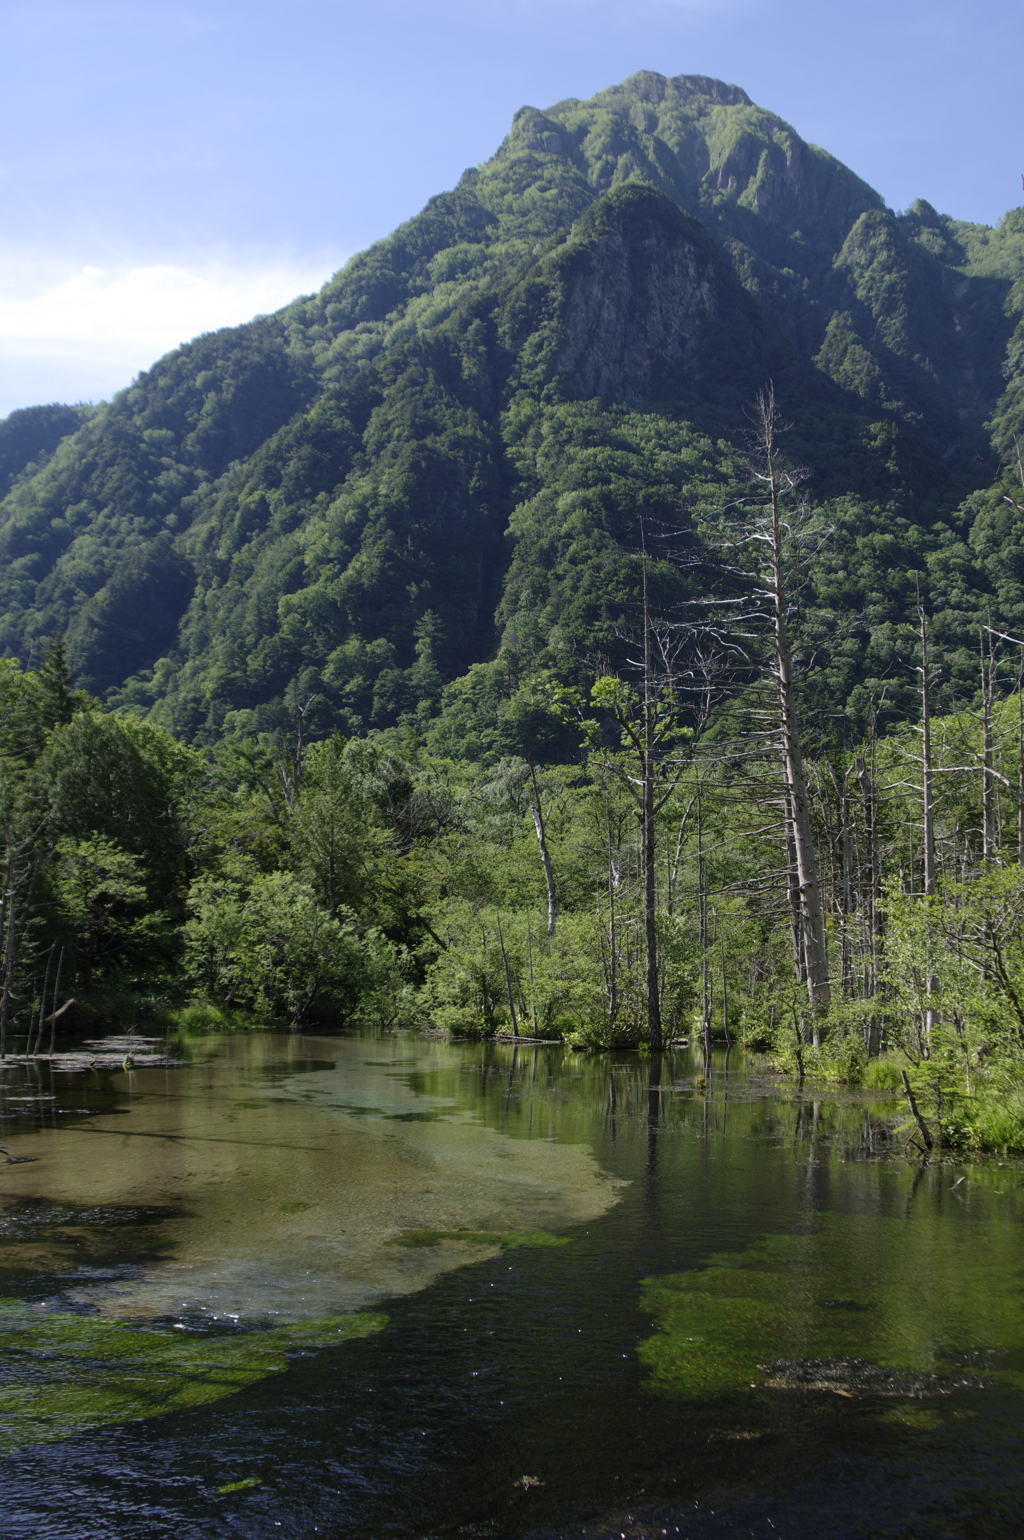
x: 400, y: 497
x: 28, y: 438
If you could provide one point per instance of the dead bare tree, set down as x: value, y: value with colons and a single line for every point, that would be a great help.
x: 545, y: 854
x: 756, y: 576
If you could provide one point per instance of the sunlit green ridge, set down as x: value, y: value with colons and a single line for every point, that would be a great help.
x: 447, y: 450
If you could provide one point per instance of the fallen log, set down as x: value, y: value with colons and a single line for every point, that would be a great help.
x: 56, y: 1015
x: 918, y: 1119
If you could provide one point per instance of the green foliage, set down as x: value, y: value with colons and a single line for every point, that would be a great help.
x: 201, y: 1016
x: 267, y: 946
x: 29, y: 436
x: 558, y: 985
x: 101, y: 897
x: 883, y: 1073
x: 966, y: 944
x: 117, y: 778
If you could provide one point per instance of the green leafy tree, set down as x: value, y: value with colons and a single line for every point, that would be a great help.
x: 102, y: 902
x: 267, y: 946
x: 114, y: 777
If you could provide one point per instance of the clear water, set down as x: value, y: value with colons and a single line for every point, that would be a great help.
x: 739, y: 1311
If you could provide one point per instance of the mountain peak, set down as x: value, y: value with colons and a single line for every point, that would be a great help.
x: 649, y: 86
x: 454, y: 439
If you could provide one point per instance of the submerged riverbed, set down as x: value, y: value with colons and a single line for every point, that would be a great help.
x: 382, y: 1286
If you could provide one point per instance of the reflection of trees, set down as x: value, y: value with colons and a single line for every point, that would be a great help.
x: 630, y: 1102
x: 654, y: 1100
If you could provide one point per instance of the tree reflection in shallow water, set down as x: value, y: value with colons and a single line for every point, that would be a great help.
x: 877, y: 1303
x: 289, y: 1198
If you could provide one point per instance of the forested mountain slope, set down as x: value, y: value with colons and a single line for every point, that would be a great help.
x: 437, y: 468
x: 29, y: 436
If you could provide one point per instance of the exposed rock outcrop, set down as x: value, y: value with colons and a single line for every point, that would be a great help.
x: 640, y: 283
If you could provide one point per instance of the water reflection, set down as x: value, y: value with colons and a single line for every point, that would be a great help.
x: 270, y: 1175
x: 292, y: 1164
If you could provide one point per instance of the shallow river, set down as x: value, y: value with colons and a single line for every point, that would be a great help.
x: 382, y: 1287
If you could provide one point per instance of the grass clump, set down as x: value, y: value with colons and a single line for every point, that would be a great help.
x: 883, y: 1074
x: 204, y: 1016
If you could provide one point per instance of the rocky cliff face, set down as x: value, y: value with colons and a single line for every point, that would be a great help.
x: 639, y: 292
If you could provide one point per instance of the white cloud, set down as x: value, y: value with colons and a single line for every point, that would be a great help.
x: 82, y: 334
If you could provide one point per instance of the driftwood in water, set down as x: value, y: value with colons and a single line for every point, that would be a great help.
x: 918, y: 1119
x: 106, y: 1053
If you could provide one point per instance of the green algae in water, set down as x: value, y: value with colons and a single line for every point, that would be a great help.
x: 508, y: 1240
x: 240, y: 1486
x: 716, y: 1321
x: 64, y: 1373
x: 864, y: 1306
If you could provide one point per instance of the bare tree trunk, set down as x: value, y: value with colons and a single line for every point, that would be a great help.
x: 815, y: 950
x: 918, y: 1119
x: 927, y: 789
x: 42, y: 1007
x: 796, y: 922
x: 927, y: 802
x: 545, y: 857
x: 508, y: 977
x: 813, y: 922
x: 1020, y: 763
x: 725, y: 1001
x: 58, y: 1011
x: 648, y: 851
x: 872, y: 883
x: 704, y: 943
x: 989, y: 837
x: 650, y: 920
x: 8, y: 973
x: 533, y: 992
x: 613, y: 941
x: 846, y: 900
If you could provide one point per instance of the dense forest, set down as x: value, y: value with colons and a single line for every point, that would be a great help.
x: 596, y: 614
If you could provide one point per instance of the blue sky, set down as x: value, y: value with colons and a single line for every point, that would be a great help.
x: 166, y: 168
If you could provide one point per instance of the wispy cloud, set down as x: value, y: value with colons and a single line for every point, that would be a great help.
x: 84, y: 333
